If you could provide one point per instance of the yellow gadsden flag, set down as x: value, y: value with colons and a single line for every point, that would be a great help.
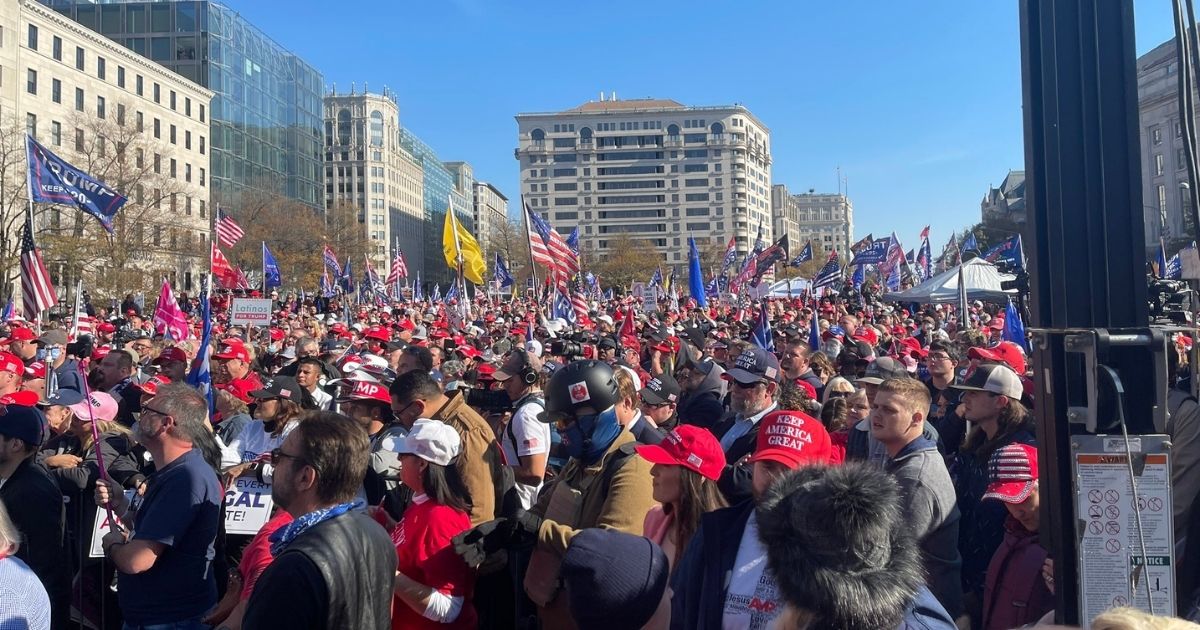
x: 457, y: 241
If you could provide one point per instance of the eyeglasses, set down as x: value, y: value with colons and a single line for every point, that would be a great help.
x: 833, y: 395
x: 146, y: 408
x: 278, y: 455
x: 937, y: 356
x: 646, y: 403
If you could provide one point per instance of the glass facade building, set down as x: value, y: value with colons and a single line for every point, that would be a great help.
x: 440, y: 191
x: 266, y: 117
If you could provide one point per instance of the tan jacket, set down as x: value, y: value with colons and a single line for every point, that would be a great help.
x: 474, y: 458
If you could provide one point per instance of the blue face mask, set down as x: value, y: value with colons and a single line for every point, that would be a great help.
x: 55, y: 353
x: 41, y: 354
x: 923, y: 372
x: 589, y: 437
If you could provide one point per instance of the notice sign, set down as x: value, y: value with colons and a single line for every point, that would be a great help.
x: 101, y: 526
x: 247, y: 506
x: 1112, y: 570
x: 250, y: 312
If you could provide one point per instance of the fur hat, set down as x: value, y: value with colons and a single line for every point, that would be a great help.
x: 837, y: 546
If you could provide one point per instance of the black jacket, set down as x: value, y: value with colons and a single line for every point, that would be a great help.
x: 700, y: 579
x: 645, y: 432
x: 338, y: 574
x: 35, y: 505
x: 736, y: 481
x: 703, y: 407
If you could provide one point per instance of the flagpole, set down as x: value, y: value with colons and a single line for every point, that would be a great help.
x: 37, y: 321
x: 264, y: 268
x: 525, y: 210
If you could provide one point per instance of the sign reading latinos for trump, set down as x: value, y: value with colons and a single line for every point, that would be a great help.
x: 247, y: 506
x: 101, y: 526
x: 250, y: 312
x: 53, y: 180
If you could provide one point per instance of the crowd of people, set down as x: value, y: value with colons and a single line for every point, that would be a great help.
x: 803, y: 463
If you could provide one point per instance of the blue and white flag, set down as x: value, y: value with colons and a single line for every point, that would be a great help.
x: 418, y: 293
x: 969, y: 243
x: 1009, y: 251
x: 1014, y: 328
x: 436, y: 296
x: 501, y: 275
x: 695, y: 275
x: 347, y: 279
x: 1174, y: 268
x: 761, y: 335
x: 859, y: 277
x: 656, y: 279
x: 873, y: 254
x: 610, y: 294
x: 199, y: 376
x: 562, y: 308
x: 7, y: 314
x: 804, y: 256
x: 828, y: 275
x: 452, y: 292
x: 271, y: 276
x: 53, y: 180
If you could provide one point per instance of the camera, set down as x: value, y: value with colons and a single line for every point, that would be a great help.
x: 489, y: 400
x: 1171, y: 300
x: 82, y: 347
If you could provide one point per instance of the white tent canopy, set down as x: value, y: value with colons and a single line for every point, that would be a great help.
x: 981, y: 278
x: 780, y: 289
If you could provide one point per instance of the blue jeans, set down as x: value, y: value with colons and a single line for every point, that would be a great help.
x: 187, y: 624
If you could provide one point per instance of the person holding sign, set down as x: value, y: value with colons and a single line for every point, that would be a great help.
x: 164, y: 553
x: 433, y: 585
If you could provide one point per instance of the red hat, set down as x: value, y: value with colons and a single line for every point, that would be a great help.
x: 100, y: 352
x: 867, y: 334
x: 170, y: 354
x: 21, y: 398
x: 439, y: 333
x: 338, y: 327
x: 365, y: 390
x: 911, y: 345
x: 106, y: 327
x: 233, y: 349
x: 152, y: 384
x: 1013, y: 471
x: 37, y: 369
x: 277, y: 334
x: 378, y: 333
x: 469, y: 352
x: 18, y: 333
x: 689, y: 446
x: 486, y: 372
x: 792, y: 438
x: 10, y: 362
x: 807, y: 387
x: 239, y: 389
x: 1005, y: 352
x: 407, y: 325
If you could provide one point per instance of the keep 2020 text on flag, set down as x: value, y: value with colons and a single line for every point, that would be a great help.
x: 53, y: 180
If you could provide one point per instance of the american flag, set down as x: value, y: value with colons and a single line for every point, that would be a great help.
x: 81, y: 324
x: 537, y: 241
x: 399, y: 268
x: 563, y: 261
x: 37, y: 291
x: 331, y: 262
x: 228, y: 231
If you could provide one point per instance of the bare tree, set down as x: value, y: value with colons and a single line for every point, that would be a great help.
x: 510, y: 240
x: 627, y: 260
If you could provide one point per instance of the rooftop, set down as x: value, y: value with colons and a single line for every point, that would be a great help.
x: 627, y: 104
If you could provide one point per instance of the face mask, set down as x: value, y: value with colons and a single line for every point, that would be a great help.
x: 41, y: 354
x: 55, y: 353
x: 589, y: 437
x: 923, y: 372
x: 273, y: 348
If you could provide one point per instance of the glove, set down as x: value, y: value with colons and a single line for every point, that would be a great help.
x: 526, y: 526
x: 476, y: 544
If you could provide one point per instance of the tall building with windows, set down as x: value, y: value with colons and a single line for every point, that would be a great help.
x: 785, y: 216
x: 266, y: 109
x: 652, y: 169
x: 826, y: 219
x: 1166, y: 205
x: 366, y: 167
x: 490, y: 213
x: 440, y: 188
x: 124, y: 119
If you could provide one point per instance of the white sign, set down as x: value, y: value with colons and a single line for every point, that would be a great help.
x: 250, y: 312
x: 247, y: 506
x: 1111, y: 570
x: 100, y: 528
x: 1189, y: 263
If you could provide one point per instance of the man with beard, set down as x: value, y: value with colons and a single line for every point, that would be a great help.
x: 755, y: 381
x: 333, y: 565
x: 164, y: 558
x: 795, y: 366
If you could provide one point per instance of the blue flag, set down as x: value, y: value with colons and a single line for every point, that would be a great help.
x: 859, y: 277
x: 804, y: 256
x: 1008, y: 251
x: 656, y: 279
x: 502, y: 276
x: 199, y: 376
x: 562, y: 308
x: 271, y: 276
x: 1174, y: 268
x: 436, y: 296
x: 7, y: 315
x: 452, y: 292
x: 1014, y: 328
x: 418, y: 293
x: 814, y: 332
x: 873, y: 254
x: 830, y: 274
x: 610, y: 294
x: 761, y: 335
x: 969, y: 243
x: 695, y: 274
x: 53, y: 180
x: 347, y: 279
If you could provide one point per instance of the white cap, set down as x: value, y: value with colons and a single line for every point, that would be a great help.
x: 433, y: 441
x: 606, y: 319
x: 534, y: 347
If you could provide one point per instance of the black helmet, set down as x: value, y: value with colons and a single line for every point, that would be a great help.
x: 580, y: 388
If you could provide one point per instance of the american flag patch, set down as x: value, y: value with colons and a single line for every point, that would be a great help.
x: 531, y: 442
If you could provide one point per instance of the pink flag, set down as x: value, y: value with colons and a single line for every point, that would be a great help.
x: 169, y: 319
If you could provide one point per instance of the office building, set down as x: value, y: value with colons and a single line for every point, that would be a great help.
x: 652, y: 169
x: 490, y: 213
x: 266, y: 110
x: 440, y: 190
x: 785, y: 216
x: 1166, y: 202
x: 366, y: 167
x: 127, y: 121
x: 825, y: 219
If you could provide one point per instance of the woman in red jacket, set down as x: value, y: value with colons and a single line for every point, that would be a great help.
x: 1015, y: 594
x: 433, y: 586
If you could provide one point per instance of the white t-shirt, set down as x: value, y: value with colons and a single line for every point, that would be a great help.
x: 254, y: 441
x: 322, y: 398
x: 525, y: 435
x: 752, y: 601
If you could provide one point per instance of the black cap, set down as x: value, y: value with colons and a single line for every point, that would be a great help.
x: 284, y: 387
x: 755, y: 364
x: 660, y: 390
x: 882, y: 369
x: 613, y: 579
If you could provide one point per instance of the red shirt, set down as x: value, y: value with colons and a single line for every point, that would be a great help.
x: 257, y: 555
x: 424, y: 553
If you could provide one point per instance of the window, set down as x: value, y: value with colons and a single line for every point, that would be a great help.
x: 201, y: 145
x: 56, y: 90
x: 121, y: 76
x: 31, y: 124
x: 78, y: 139
x: 79, y: 58
x: 33, y: 33
x: 697, y: 212
x: 157, y: 164
x: 202, y: 112
x: 100, y: 69
x: 566, y: 216
x: 696, y: 197
x: 1180, y: 159
x: 1156, y: 135
x: 203, y: 208
x: 695, y: 153
x: 141, y: 122
x: 100, y: 107
x: 157, y: 129
x: 174, y: 172
x: 1178, y: 129
x: 187, y: 106
x: 56, y: 133
x: 1162, y: 198
x: 138, y: 85
x: 141, y: 158
x: 78, y: 99
x: 1158, y: 164
x: 121, y: 114
x: 698, y: 226
x: 187, y: 172
x: 31, y: 81
x: 202, y: 184
x: 695, y: 168
x: 695, y: 182
x: 187, y: 139
x: 172, y: 134
x: 56, y: 48
x: 157, y: 93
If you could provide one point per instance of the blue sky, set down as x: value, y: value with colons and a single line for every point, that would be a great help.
x: 919, y: 103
